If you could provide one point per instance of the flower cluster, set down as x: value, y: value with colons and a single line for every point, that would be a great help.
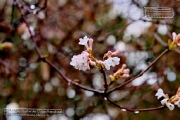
x: 84, y: 60
x: 169, y: 102
x: 175, y: 42
x: 123, y: 72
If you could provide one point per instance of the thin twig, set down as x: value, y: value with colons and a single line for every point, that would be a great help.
x: 151, y: 109
x: 30, y: 32
x: 105, y: 81
x: 135, y: 110
x: 160, y: 40
x: 8, y: 66
x: 140, y: 74
x: 71, y: 81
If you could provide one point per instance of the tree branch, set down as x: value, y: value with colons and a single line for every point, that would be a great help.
x: 71, y: 81
x: 41, y: 58
x: 105, y: 81
x: 135, y: 110
x: 140, y: 74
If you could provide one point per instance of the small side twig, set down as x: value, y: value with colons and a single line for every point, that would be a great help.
x: 164, y: 43
x: 71, y: 81
x: 105, y: 81
x: 135, y: 110
x: 8, y: 66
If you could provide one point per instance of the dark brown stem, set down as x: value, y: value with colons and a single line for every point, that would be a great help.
x: 160, y: 40
x: 135, y: 110
x: 71, y: 81
x: 151, y: 109
x: 140, y: 74
x: 105, y: 81
x: 30, y: 32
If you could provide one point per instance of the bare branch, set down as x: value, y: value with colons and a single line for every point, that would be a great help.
x: 105, y: 81
x: 135, y: 110
x: 71, y: 81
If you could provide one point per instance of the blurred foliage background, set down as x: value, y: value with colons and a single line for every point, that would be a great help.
x: 114, y: 25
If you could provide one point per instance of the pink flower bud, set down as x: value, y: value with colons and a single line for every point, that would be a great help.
x: 91, y: 43
x: 116, y: 52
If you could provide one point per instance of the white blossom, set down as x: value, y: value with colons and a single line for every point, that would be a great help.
x: 81, y: 61
x: 160, y: 93
x: 169, y: 102
x: 170, y: 106
x: 111, y: 61
x: 92, y: 62
x: 177, y: 103
x: 164, y: 101
x: 176, y: 38
x: 84, y: 41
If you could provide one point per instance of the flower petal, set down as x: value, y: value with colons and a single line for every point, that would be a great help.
x: 81, y: 61
x: 111, y: 61
x: 170, y: 106
x: 177, y: 103
x: 83, y: 41
x: 174, y: 36
x: 160, y: 93
x: 164, y: 101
